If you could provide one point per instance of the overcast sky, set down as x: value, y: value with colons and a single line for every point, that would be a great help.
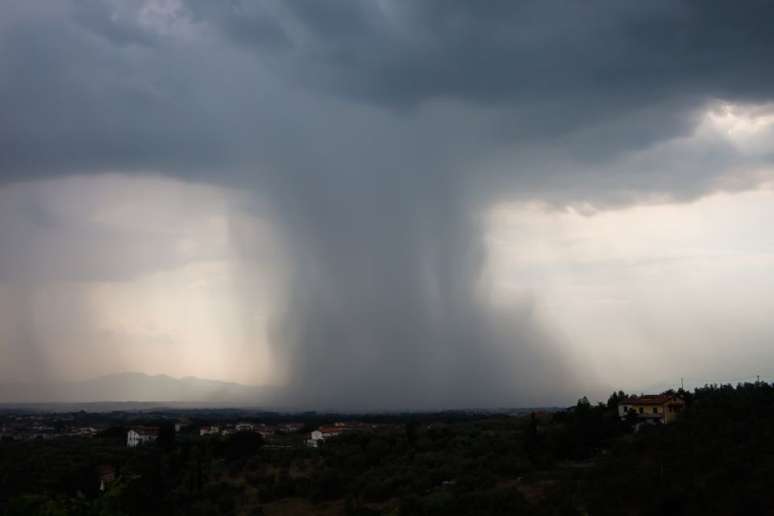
x: 389, y: 203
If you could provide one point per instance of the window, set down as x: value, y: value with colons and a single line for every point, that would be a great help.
x: 655, y: 410
x: 642, y: 410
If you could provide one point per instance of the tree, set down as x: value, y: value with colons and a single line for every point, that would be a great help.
x: 241, y: 445
x: 583, y: 406
x: 411, y: 432
x: 531, y: 438
x: 167, y: 436
x: 615, y: 399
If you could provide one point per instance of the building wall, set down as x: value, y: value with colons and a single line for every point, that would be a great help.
x: 643, y: 411
x: 134, y: 438
x: 671, y: 415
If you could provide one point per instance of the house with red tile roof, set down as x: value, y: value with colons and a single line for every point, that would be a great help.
x: 652, y: 408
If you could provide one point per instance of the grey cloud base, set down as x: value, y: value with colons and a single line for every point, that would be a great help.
x: 376, y: 133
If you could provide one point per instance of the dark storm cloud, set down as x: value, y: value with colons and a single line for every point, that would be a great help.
x: 368, y: 127
x: 101, y: 19
x: 84, y: 90
x: 93, y: 85
x: 602, y: 55
x: 600, y: 78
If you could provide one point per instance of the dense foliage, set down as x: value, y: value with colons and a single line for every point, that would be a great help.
x: 716, y: 459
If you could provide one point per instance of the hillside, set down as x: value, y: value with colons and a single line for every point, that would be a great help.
x: 138, y: 387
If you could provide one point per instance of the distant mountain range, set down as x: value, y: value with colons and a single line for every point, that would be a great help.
x: 137, y: 387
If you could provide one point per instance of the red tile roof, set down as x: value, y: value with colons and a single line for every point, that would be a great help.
x: 651, y: 399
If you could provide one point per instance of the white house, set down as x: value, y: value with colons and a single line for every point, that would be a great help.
x: 209, y: 430
x: 319, y: 436
x: 265, y: 431
x: 141, y: 435
x: 315, y: 438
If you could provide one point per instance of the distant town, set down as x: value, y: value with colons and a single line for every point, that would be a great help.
x: 141, y: 427
x: 515, y: 461
x: 307, y: 429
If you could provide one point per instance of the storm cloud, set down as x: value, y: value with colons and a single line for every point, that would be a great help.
x: 373, y: 139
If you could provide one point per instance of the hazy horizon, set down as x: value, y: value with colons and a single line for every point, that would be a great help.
x: 140, y: 391
x: 149, y: 388
x: 391, y: 203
